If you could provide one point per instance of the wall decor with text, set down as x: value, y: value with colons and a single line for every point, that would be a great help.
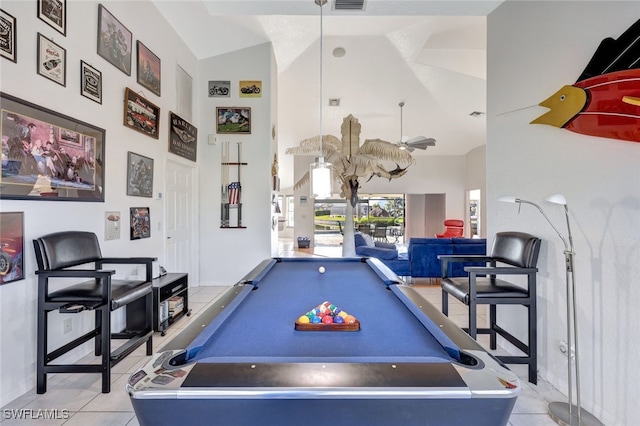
x: 8, y: 36
x: 183, y: 137
x: 52, y: 60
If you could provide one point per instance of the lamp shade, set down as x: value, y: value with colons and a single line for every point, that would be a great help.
x: 557, y: 199
x: 321, y: 179
x: 508, y: 199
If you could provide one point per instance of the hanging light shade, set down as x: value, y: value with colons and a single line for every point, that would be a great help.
x: 321, y: 179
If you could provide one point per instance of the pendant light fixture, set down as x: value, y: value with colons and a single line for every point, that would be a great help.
x: 321, y: 179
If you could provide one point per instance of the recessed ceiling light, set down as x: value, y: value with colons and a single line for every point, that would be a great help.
x: 339, y: 52
x: 476, y: 113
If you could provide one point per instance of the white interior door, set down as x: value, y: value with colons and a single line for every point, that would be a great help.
x: 179, y: 221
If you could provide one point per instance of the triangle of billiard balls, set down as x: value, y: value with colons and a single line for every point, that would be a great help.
x: 327, y: 316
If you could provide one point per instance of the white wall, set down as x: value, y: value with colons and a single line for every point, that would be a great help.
x: 18, y: 299
x: 534, y: 48
x: 226, y: 255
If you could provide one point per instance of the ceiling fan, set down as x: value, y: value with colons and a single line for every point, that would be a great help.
x: 419, y: 142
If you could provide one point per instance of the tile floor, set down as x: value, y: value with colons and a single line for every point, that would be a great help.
x: 80, y: 394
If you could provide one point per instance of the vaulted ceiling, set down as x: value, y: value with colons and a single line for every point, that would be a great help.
x: 429, y: 54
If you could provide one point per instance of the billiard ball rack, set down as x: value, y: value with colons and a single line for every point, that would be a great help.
x: 355, y: 326
x: 320, y: 313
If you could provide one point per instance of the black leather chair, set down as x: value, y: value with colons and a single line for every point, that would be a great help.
x: 513, y: 253
x: 56, y: 254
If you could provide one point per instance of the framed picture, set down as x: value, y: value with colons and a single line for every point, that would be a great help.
x: 52, y: 60
x: 139, y: 175
x: 49, y: 156
x: 140, y: 114
x: 11, y: 247
x: 54, y: 13
x: 115, y: 41
x: 140, y: 223
x: 148, y: 66
x: 250, y: 88
x: 183, y: 137
x: 219, y: 89
x: 8, y: 36
x: 90, y: 82
x: 233, y: 120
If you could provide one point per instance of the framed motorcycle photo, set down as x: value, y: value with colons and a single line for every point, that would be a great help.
x: 115, y: 41
x: 139, y: 175
x: 250, y: 88
x: 11, y: 247
x: 148, y: 66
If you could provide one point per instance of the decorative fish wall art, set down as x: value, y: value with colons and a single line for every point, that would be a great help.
x: 605, y: 100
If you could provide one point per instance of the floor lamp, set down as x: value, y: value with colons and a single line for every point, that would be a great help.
x: 566, y: 413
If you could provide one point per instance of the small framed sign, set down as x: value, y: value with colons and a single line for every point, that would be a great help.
x: 7, y: 36
x: 90, y: 82
x: 52, y: 60
x: 183, y: 137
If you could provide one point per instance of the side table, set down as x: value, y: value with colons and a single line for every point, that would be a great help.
x: 170, y: 300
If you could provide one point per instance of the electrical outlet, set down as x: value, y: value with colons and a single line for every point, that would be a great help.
x: 66, y: 326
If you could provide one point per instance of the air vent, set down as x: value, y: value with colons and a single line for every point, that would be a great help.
x: 348, y: 5
x: 334, y: 102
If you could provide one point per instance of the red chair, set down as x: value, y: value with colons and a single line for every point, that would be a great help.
x: 452, y: 228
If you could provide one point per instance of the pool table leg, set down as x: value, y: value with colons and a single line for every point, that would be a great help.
x: 445, y: 303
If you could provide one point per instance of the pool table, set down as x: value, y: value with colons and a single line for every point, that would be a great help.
x: 242, y: 361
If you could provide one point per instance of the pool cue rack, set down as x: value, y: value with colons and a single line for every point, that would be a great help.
x: 231, y: 188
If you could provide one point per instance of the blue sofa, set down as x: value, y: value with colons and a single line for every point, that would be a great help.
x: 386, y: 252
x: 421, y: 259
x: 423, y: 254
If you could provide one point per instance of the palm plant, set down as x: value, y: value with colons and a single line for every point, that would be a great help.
x: 351, y: 162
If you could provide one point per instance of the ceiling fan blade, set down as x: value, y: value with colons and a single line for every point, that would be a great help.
x: 421, y: 142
